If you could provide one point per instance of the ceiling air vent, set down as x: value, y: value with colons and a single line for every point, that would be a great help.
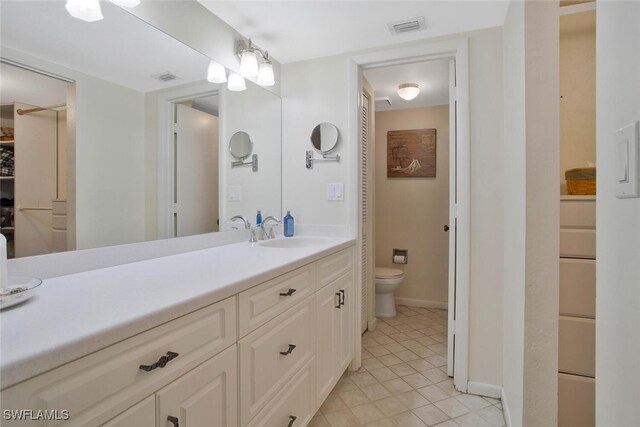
x: 383, y: 102
x: 407, y: 25
x: 165, y: 77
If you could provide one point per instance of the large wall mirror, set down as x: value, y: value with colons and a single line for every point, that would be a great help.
x: 111, y: 134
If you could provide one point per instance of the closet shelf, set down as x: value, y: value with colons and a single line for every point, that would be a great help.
x: 6, y: 142
x: 3, y: 178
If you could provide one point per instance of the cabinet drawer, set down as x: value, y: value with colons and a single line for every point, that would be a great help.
x: 578, y: 287
x: 105, y: 383
x: 263, y: 368
x: 334, y: 266
x: 206, y: 396
x: 262, y: 303
x: 576, y: 401
x: 296, y: 399
x: 577, y: 214
x: 141, y: 415
x: 578, y: 243
x: 577, y: 346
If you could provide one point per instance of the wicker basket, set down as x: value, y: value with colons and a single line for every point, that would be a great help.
x: 581, y: 181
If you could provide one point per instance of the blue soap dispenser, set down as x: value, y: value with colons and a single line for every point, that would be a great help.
x: 288, y: 225
x: 259, y: 217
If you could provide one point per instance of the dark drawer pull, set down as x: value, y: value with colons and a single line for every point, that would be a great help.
x: 339, y: 305
x: 289, y: 350
x: 342, y: 293
x: 291, y: 420
x: 161, y: 363
x: 174, y: 421
x: 288, y: 293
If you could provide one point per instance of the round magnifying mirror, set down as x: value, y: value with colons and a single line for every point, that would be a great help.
x: 240, y: 145
x: 324, y: 137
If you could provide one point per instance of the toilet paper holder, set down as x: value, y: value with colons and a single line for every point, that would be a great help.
x: 400, y: 256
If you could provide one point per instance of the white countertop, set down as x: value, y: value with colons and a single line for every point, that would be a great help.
x: 72, y: 316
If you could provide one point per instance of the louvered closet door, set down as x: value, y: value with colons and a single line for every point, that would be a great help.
x: 364, y: 194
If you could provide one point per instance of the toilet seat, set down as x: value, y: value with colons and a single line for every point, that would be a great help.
x: 388, y: 273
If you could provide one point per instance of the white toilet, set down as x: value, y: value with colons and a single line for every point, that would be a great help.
x: 387, y: 281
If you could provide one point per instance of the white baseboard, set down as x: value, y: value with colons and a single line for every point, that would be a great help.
x: 422, y: 303
x: 505, y: 408
x: 372, y: 324
x: 483, y: 389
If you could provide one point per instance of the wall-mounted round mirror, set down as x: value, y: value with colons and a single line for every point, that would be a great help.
x: 324, y: 137
x: 240, y: 145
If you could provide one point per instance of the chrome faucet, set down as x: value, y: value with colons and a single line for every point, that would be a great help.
x: 247, y: 225
x: 269, y: 234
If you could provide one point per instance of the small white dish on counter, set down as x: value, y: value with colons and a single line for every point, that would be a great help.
x: 20, y: 289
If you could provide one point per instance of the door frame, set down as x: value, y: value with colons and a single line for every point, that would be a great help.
x: 460, y: 205
x: 165, y: 155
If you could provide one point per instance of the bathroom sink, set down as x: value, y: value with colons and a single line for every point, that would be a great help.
x: 294, y: 242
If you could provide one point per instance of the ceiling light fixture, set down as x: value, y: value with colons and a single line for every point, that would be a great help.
x: 216, y: 73
x: 408, y: 91
x: 249, y: 67
x: 236, y: 83
x: 126, y: 3
x: 86, y: 10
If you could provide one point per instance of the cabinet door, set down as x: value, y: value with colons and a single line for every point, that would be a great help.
x: 206, y: 396
x: 328, y: 318
x: 344, y: 334
x: 141, y: 415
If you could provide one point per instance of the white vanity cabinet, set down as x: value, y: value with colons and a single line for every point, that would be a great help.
x: 267, y: 356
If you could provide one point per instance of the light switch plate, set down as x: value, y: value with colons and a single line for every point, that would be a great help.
x: 234, y: 193
x: 335, y: 191
x: 626, y: 161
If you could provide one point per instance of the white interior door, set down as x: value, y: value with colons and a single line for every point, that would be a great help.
x: 451, y: 227
x: 196, y: 172
x: 35, y: 180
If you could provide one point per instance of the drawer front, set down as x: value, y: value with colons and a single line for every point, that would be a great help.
x: 576, y: 401
x: 578, y: 244
x: 577, y: 346
x: 105, y: 383
x: 578, y: 287
x: 577, y: 214
x: 262, y: 303
x: 263, y: 369
x: 334, y: 266
x: 141, y: 415
x: 295, y: 402
x: 206, y: 396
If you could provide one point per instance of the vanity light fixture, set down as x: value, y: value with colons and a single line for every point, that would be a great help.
x: 408, y: 91
x: 236, y: 83
x: 248, y: 55
x: 216, y: 73
x: 86, y: 10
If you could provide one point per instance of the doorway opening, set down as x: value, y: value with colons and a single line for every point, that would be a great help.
x: 452, y: 223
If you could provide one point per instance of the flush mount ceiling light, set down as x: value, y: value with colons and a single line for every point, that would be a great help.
x: 249, y: 67
x: 236, y: 83
x: 216, y: 73
x: 408, y: 91
x: 90, y: 10
x: 86, y: 10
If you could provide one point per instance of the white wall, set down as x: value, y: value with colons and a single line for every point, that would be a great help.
x: 259, y: 113
x: 105, y: 158
x: 318, y: 90
x: 531, y: 212
x: 313, y: 92
x: 618, y: 220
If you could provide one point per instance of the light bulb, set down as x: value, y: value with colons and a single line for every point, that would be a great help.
x: 126, y: 3
x: 265, y: 75
x: 216, y: 73
x: 86, y: 10
x: 249, y: 64
x: 236, y: 83
x: 408, y: 91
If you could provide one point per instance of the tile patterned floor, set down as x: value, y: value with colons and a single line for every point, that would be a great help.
x: 403, y: 380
